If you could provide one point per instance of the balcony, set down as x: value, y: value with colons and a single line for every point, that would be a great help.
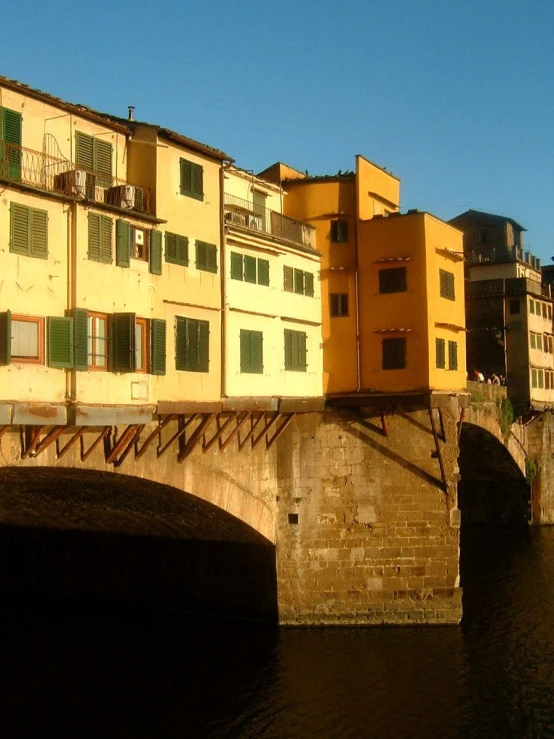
x: 45, y: 172
x: 242, y: 213
x: 510, y: 286
x: 492, y: 254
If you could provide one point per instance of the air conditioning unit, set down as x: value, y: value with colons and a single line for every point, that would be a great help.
x: 73, y: 182
x: 122, y: 195
x: 255, y: 222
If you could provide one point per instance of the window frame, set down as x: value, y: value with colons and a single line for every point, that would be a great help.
x: 39, y: 322
x: 191, y: 174
x: 392, y: 359
x: 393, y: 280
x: 144, y: 344
x: 145, y: 257
x: 339, y: 305
x: 447, y: 284
x: 93, y: 366
x: 339, y: 231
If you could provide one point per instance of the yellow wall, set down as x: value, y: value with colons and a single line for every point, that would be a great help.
x: 378, y: 191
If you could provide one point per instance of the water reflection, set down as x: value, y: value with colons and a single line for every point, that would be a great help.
x: 81, y: 672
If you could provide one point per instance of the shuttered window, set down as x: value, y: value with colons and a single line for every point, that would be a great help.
x: 393, y: 280
x: 263, y: 272
x: 236, y: 266
x: 440, y: 348
x: 288, y: 279
x: 176, y: 249
x: 28, y: 231
x: 122, y: 243
x: 206, y: 257
x: 80, y: 339
x: 60, y: 342
x: 10, y: 144
x: 192, y: 179
x: 251, y: 352
x: 295, y: 351
x: 446, y: 284
x: 155, y: 256
x: 21, y: 339
x: 298, y: 281
x: 192, y: 345
x: 250, y: 269
x: 123, y: 350
x: 94, y: 154
x: 339, y: 231
x: 157, y: 346
x: 338, y: 303
x: 97, y: 341
x: 100, y: 238
x: 452, y: 355
x: 394, y: 354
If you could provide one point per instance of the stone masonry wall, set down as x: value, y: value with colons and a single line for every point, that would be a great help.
x: 540, y: 438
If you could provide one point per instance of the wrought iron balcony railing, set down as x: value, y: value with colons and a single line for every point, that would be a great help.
x: 242, y: 213
x: 34, y: 168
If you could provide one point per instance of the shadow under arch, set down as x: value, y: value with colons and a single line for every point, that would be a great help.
x: 492, y: 487
x: 117, y: 539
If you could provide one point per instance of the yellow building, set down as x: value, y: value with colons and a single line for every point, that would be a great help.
x: 272, y: 318
x: 392, y: 285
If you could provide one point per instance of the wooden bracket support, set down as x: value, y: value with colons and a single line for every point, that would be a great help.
x: 195, y: 437
x: 86, y: 454
x: 438, y: 450
x: 287, y: 419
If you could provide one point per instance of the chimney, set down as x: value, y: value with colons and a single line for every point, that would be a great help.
x: 131, y: 112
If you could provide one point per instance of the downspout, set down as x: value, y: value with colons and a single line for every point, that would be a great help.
x: 356, y: 288
x: 71, y: 300
x: 223, y: 281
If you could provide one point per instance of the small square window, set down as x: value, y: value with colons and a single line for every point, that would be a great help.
x: 339, y: 232
x: 393, y: 280
x: 139, y: 243
x: 27, y: 339
x: 338, y: 305
x: 514, y: 306
x: 447, y: 284
x: 394, y: 354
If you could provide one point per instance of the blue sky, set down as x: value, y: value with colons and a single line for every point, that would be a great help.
x: 455, y: 98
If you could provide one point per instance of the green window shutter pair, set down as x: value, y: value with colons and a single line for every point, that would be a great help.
x: 288, y: 279
x: 192, y: 345
x: 122, y: 243
x: 155, y: 257
x: 29, y: 231
x: 99, y: 238
x: 236, y: 266
x: 440, y: 347
x: 192, y: 179
x: 251, y: 352
x: 94, y: 154
x: 176, y: 249
x: 206, y: 257
x: 452, y: 355
x: 446, y: 284
x: 295, y: 351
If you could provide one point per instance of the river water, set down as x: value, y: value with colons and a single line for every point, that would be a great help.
x: 77, y: 671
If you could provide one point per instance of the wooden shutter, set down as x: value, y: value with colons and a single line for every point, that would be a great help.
x: 394, y: 354
x: 80, y: 339
x: 171, y: 247
x: 299, y: 281
x: 203, y: 346
x: 84, y: 150
x: 236, y: 266
x: 441, y: 353
x: 122, y: 243
x: 60, y: 342
x: 288, y: 279
x: 94, y: 248
x: 20, y: 221
x: 201, y: 256
x: 446, y: 284
x: 5, y: 337
x: 198, y: 181
x: 211, y: 258
x: 11, y: 126
x: 288, y: 350
x: 186, y: 176
x: 155, y: 260
x: 301, y: 351
x: 10, y: 122
x: 106, y: 239
x: 309, y: 284
x: 191, y: 345
x: 122, y: 332
x: 180, y: 343
x: 263, y: 272
x: 39, y: 233
x: 256, y: 351
x: 158, y: 343
x: 452, y: 355
x: 392, y: 280
x: 249, y: 269
x: 182, y: 250
x: 102, y: 154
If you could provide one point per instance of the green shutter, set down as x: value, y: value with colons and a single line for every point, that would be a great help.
x: 183, y: 250
x: 10, y: 122
x: 5, y: 337
x: 106, y: 237
x: 191, y: 345
x: 39, y: 233
x: 295, y: 350
x: 180, y: 343
x: 186, y: 176
x: 84, y: 150
x: 122, y: 243
x: 299, y: 281
x: 60, y: 342
x: 176, y: 249
x: 201, y: 256
x: 250, y: 269
x: 20, y: 221
x: 80, y: 339
x: 309, y: 284
x: 288, y: 349
x: 155, y: 252
x: 288, y: 279
x: 452, y: 355
x: 198, y: 181
x: 301, y: 351
x: 236, y: 266
x: 158, y: 342
x: 263, y: 272
x: 203, y: 346
x: 103, y: 161
x: 441, y: 352
x: 211, y: 258
x: 251, y: 352
x: 122, y: 331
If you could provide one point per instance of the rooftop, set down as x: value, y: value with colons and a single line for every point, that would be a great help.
x: 479, y: 214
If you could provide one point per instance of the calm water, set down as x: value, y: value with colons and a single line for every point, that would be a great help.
x: 80, y: 672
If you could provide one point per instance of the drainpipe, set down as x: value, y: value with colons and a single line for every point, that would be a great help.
x: 356, y: 288
x: 71, y: 299
x: 223, y: 281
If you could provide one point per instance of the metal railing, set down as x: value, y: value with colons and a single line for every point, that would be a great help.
x: 502, y: 253
x: 242, y: 213
x: 34, y: 168
x: 511, y: 285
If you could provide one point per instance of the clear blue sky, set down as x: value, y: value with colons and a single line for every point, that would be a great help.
x: 455, y: 98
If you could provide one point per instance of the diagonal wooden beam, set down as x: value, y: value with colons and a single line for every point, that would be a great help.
x: 63, y: 451
x: 269, y: 442
x: 255, y: 424
x: 461, y: 422
x: 438, y: 448
x: 441, y: 419
x: 153, y: 435
x: 177, y: 434
x: 219, y: 432
x: 134, y: 440
x: 119, y: 445
x: 34, y: 440
x: 3, y: 430
x: 268, y: 425
x: 196, y: 436
x: 384, y: 423
x: 101, y: 436
x: 235, y: 431
x: 56, y: 432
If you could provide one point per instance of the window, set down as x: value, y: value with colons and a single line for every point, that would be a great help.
x: 514, y: 306
x: 139, y: 243
x: 27, y: 339
x: 446, y: 284
x: 141, y: 345
x: 394, y: 354
x: 549, y: 311
x: 452, y: 355
x: 539, y: 342
x: 540, y: 378
x: 206, y: 257
x: 339, y: 304
x: 298, y: 281
x: 295, y: 350
x: 393, y: 280
x: 249, y: 269
x: 533, y: 340
x: 99, y: 238
x: 176, y: 249
x: 155, y: 256
x: 532, y: 307
x: 258, y: 206
x: 440, y: 350
x: 534, y: 378
x: 94, y: 154
x: 10, y: 144
x: 28, y: 231
x: 543, y: 310
x: 97, y: 337
x: 339, y: 232
x: 251, y: 352
x: 192, y: 179
x: 483, y: 236
x: 192, y: 345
